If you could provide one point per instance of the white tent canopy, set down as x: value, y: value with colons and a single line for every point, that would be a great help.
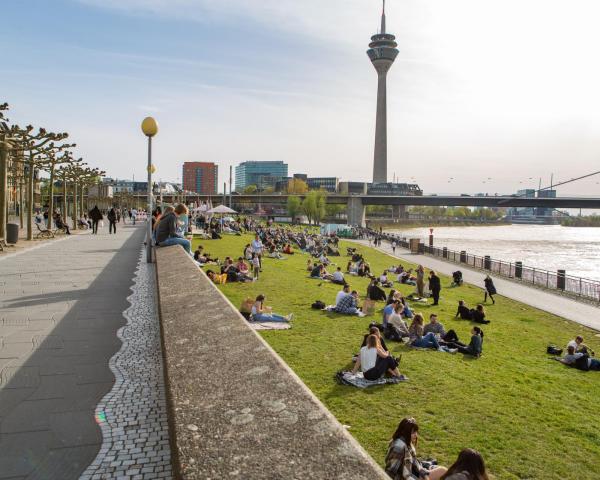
x: 221, y: 209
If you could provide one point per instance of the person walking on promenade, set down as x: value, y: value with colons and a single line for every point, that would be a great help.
x: 133, y: 214
x: 394, y: 247
x: 435, y: 286
x: 118, y: 215
x: 112, y: 221
x: 490, y: 289
x: 96, y: 216
x: 420, y: 281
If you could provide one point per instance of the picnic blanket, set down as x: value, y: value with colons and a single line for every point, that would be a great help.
x: 269, y: 325
x: 357, y: 380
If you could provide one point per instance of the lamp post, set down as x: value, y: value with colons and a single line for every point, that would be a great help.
x: 150, y: 128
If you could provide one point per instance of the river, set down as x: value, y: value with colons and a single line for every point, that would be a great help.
x: 551, y: 247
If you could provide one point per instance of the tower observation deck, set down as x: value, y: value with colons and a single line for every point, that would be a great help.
x: 382, y: 53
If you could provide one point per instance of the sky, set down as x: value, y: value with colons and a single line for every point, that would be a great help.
x: 483, y: 96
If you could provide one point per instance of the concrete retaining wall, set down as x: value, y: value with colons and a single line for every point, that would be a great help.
x: 236, y: 409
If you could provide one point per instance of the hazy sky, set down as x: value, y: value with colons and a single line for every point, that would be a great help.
x: 482, y: 91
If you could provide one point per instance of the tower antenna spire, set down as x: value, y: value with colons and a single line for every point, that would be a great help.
x: 383, y: 18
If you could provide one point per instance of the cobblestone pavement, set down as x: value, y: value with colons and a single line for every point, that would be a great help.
x: 579, y: 312
x: 133, y: 415
x: 60, y: 308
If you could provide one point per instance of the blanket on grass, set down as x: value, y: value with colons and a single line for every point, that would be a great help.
x: 348, y: 378
x: 269, y: 325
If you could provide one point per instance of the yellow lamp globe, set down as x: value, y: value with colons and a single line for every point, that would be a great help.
x: 151, y: 168
x: 149, y: 127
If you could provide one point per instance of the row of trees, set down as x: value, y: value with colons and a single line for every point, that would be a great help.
x: 480, y: 213
x: 24, y: 152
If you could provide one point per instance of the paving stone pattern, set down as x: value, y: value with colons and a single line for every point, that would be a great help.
x: 133, y: 415
x: 60, y: 308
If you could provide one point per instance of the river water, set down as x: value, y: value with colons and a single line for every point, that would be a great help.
x: 551, y: 247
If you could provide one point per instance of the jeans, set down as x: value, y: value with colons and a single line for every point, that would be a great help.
x: 427, y: 341
x: 95, y: 226
x: 594, y: 364
x: 263, y: 317
x: 112, y: 226
x: 177, y: 241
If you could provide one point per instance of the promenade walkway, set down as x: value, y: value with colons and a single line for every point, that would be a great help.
x: 61, y: 306
x: 565, y: 307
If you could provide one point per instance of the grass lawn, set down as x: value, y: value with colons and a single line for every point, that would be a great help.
x: 530, y: 417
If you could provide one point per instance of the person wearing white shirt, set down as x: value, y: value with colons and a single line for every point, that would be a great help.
x: 342, y: 293
x: 257, y: 248
x: 338, y: 277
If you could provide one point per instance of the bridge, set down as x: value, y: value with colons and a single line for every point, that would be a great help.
x: 356, y: 203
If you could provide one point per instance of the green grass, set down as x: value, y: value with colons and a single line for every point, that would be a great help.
x: 530, y: 417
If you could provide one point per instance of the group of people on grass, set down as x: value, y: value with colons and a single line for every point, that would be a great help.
x: 402, y: 463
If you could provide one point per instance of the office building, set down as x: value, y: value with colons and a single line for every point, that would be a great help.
x: 200, y: 177
x: 329, y: 184
x: 263, y: 174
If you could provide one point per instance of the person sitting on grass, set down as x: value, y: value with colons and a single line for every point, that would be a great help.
x: 478, y: 315
x: 273, y: 253
x: 468, y: 466
x: 241, y: 266
x: 396, y: 326
x: 373, y: 330
x: 579, y: 346
x: 401, y: 462
x: 375, y: 292
x: 438, y: 329
x: 316, y: 270
x: 262, y: 313
x: 363, y: 269
x: 348, y: 305
x: 310, y: 265
x: 338, y: 277
x: 287, y: 249
x: 323, y: 259
x: 383, y: 278
x: 429, y: 340
x: 474, y: 348
x: 579, y: 360
x: 374, y: 361
x: 463, y: 311
x: 342, y: 293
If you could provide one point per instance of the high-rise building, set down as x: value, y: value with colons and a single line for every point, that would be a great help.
x: 382, y: 52
x: 262, y: 174
x: 201, y: 177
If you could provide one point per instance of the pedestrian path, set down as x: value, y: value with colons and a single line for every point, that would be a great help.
x: 582, y: 313
x: 61, y: 306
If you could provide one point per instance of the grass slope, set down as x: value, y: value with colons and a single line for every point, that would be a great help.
x: 530, y: 417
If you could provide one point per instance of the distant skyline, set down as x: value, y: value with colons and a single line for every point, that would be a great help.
x: 483, y: 97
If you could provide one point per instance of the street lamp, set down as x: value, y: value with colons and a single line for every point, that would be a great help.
x: 150, y: 128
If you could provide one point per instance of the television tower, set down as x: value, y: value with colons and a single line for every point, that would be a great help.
x: 382, y: 52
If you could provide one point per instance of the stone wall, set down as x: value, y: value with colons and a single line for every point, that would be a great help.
x: 236, y: 409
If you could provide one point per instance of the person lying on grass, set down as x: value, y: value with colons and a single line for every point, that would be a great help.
x: 263, y: 313
x: 348, y: 305
x: 474, y: 348
x: 420, y: 340
x: 401, y: 462
x: 374, y: 361
x: 468, y: 466
x: 579, y: 360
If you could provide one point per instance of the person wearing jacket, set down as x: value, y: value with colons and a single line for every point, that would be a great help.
x: 112, y: 221
x: 435, y: 286
x: 166, y: 230
x: 401, y: 461
x: 490, y: 288
x: 96, y: 215
x: 468, y: 466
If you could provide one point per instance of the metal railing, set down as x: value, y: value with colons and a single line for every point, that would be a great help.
x: 580, y: 287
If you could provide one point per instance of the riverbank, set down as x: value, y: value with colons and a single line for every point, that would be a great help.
x: 500, y: 404
x: 388, y: 225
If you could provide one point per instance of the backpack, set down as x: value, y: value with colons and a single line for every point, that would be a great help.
x: 554, y: 350
x: 318, y: 305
